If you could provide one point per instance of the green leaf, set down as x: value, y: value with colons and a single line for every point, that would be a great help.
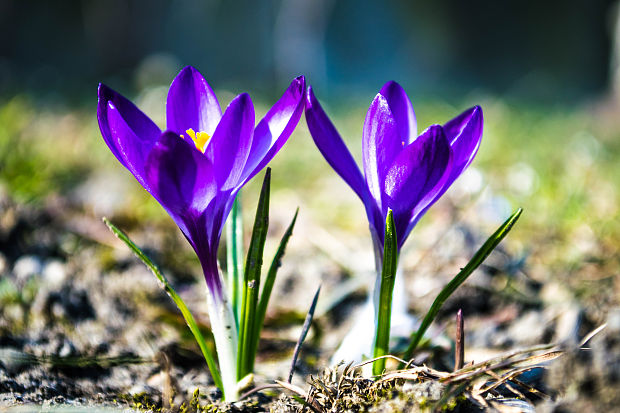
x: 234, y: 256
x: 270, y: 280
x: 165, y: 285
x: 460, y: 278
x: 251, y: 283
x: 388, y: 275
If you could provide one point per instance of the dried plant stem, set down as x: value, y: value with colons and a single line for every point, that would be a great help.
x: 459, y: 348
x: 304, y: 332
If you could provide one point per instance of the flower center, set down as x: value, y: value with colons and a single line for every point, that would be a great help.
x: 200, y: 139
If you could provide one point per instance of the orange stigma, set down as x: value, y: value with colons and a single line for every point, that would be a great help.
x: 200, y: 139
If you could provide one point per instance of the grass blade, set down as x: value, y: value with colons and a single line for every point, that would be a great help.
x: 388, y: 275
x: 271, y: 278
x: 304, y: 333
x: 460, y: 278
x: 187, y: 315
x: 251, y: 283
x: 234, y: 256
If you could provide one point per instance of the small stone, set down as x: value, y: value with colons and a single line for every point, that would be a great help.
x: 555, y: 293
x: 568, y: 323
x: 107, y: 202
x: 3, y: 264
x: 528, y: 329
x: 13, y: 313
x: 613, y: 321
x: 157, y: 380
x: 66, y: 349
x: 13, y: 360
x: 482, y: 336
x: 511, y: 404
x: 54, y: 273
x: 27, y: 266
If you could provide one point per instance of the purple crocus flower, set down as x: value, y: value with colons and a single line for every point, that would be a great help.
x: 196, y: 167
x: 403, y: 172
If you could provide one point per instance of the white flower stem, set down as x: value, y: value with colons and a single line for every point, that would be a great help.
x: 225, y: 334
x: 359, y: 341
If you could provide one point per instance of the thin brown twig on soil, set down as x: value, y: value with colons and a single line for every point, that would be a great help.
x: 459, y: 347
x: 387, y: 356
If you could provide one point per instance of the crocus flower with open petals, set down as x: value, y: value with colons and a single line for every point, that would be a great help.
x: 197, y: 166
x: 403, y: 172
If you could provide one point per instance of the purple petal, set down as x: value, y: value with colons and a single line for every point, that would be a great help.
x: 181, y: 178
x: 380, y: 146
x: 192, y: 104
x: 128, y: 132
x: 417, y: 175
x: 464, y: 134
x: 183, y: 181
x: 229, y: 147
x: 276, y: 127
x: 402, y: 110
x: 376, y: 220
x: 206, y: 230
x: 331, y: 145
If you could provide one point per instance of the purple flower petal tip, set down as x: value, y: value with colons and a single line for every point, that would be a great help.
x: 471, y: 118
x: 390, y: 87
x: 402, y: 110
x: 103, y: 92
x: 242, y: 99
x: 128, y: 132
x: 191, y: 103
x: 331, y: 145
x: 273, y: 131
x: 299, y: 83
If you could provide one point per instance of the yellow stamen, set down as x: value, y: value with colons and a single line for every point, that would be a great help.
x: 200, y: 139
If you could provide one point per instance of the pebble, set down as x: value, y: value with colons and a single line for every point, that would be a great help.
x: 482, y: 337
x: 108, y: 202
x: 54, y: 273
x: 27, y: 266
x: 66, y: 349
x: 13, y: 314
x: 3, y: 263
x: 140, y: 388
x: 613, y: 321
x: 12, y: 360
x: 512, y: 405
x: 528, y: 329
x: 555, y: 293
x: 567, y: 325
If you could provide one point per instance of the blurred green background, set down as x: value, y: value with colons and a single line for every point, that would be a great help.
x: 545, y: 73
